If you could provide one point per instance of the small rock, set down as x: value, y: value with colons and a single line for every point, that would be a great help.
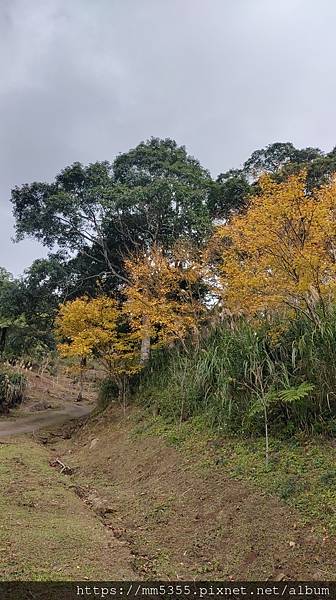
x: 319, y: 576
x: 41, y: 405
x: 280, y: 577
x: 93, y: 443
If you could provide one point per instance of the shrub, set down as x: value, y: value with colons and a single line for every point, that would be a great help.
x: 108, y: 391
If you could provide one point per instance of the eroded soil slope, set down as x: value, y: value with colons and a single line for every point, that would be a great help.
x: 181, y: 516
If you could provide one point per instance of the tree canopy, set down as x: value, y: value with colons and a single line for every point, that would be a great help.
x: 100, y: 213
x: 111, y: 225
x: 281, y: 252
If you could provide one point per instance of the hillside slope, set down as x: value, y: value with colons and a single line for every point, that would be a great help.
x: 182, y: 515
x: 148, y: 500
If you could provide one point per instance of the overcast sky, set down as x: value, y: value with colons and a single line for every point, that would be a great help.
x: 86, y: 79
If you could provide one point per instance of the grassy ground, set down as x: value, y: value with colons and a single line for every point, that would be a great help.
x: 46, y: 531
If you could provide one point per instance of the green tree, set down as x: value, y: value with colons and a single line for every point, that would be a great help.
x: 27, y: 309
x: 5, y: 306
x: 269, y: 159
x: 282, y: 160
x: 166, y: 192
x: 99, y: 213
x: 230, y: 192
x: 11, y: 317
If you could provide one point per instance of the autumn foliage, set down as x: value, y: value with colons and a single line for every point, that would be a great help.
x: 164, y: 298
x: 281, y: 251
x: 96, y: 328
x: 278, y: 254
x: 163, y: 304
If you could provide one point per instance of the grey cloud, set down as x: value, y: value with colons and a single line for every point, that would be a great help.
x: 84, y: 80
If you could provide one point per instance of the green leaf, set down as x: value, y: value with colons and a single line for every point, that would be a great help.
x: 293, y: 394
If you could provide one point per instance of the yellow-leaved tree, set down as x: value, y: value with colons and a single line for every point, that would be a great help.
x: 282, y: 251
x: 165, y: 298
x: 97, y: 328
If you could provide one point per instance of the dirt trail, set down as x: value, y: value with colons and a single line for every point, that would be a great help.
x: 50, y: 402
x: 43, y: 419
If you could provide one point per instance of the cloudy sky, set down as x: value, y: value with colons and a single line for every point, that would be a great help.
x: 86, y: 79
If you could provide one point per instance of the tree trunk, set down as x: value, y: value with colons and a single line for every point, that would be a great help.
x: 124, y: 393
x: 3, y: 336
x: 81, y: 379
x: 266, y: 435
x: 145, y: 342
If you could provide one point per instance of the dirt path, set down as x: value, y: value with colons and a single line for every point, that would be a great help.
x: 50, y: 402
x: 40, y: 420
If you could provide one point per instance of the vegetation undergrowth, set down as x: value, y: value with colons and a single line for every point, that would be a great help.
x: 284, y: 368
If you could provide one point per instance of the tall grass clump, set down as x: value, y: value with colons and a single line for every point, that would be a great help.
x: 12, y: 389
x: 250, y: 377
